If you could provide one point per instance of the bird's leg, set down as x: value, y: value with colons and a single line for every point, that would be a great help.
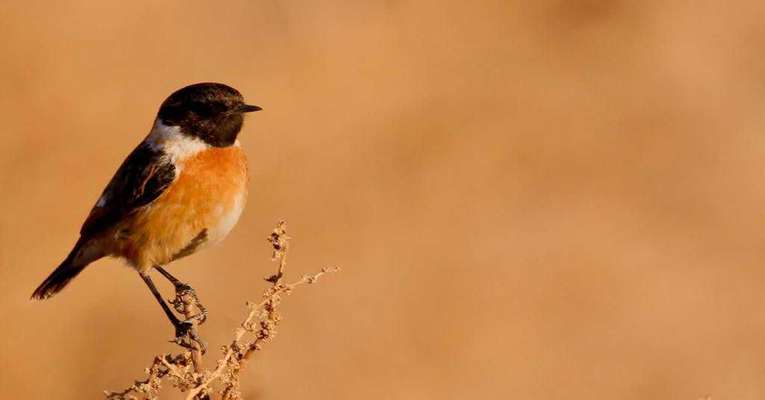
x: 181, y: 291
x: 182, y: 328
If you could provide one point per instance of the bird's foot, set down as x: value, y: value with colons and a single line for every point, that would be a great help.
x: 187, y: 337
x: 186, y: 298
x: 185, y: 302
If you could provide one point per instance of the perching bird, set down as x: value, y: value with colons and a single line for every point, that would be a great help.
x: 182, y: 188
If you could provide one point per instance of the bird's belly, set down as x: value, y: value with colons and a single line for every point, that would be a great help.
x: 224, y: 218
x: 200, y: 208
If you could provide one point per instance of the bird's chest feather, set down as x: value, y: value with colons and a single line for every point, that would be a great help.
x: 212, y: 186
x: 201, y: 206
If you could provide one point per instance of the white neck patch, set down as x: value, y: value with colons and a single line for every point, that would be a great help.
x: 170, y: 140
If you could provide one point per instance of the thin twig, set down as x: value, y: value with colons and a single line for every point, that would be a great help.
x: 235, y: 351
x: 279, y: 244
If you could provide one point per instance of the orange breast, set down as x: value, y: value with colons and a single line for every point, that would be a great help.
x: 208, y: 194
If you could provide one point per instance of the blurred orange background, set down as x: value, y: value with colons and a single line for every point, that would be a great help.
x: 534, y: 200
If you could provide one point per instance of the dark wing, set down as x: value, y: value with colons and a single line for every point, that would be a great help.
x: 141, y: 178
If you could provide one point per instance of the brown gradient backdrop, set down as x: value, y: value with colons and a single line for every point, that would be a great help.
x: 530, y: 200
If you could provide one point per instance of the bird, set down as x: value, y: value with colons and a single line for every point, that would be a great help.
x: 180, y: 190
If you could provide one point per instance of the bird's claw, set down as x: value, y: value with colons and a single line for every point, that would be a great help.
x: 185, y: 295
x: 185, y: 299
x: 187, y: 337
x: 182, y: 329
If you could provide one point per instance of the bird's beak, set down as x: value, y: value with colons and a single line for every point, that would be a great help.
x: 245, y: 108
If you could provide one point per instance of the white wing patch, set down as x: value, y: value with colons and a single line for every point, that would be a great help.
x: 102, y: 200
x: 170, y: 140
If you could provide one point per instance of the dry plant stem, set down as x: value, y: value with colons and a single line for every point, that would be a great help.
x: 149, y: 386
x: 185, y: 370
x: 162, y: 366
x: 265, y: 312
x: 279, y: 242
x: 235, y: 352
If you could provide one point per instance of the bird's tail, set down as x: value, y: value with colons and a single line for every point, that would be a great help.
x: 75, y: 262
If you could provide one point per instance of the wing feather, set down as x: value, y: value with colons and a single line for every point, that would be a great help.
x: 144, y: 175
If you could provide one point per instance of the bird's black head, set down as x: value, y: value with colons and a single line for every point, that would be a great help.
x: 209, y: 111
